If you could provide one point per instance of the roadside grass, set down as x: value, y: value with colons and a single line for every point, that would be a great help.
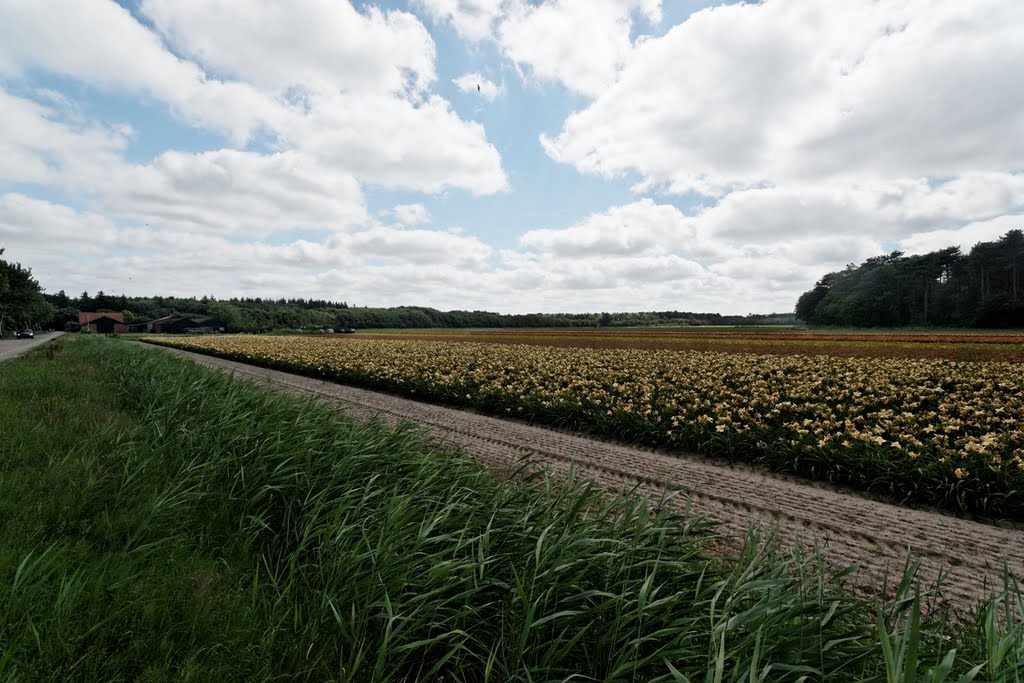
x: 161, y: 521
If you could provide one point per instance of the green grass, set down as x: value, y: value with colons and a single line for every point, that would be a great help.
x: 160, y: 521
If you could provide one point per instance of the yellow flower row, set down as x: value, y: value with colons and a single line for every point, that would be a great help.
x: 949, y: 410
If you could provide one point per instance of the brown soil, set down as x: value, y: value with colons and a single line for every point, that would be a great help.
x: 850, y: 529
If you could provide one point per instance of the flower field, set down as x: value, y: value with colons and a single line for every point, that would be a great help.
x: 750, y: 333
x: 932, y: 431
x: 1004, y: 346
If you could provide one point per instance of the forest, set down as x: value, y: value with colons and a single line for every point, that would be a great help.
x: 21, y: 298
x: 983, y: 288
x: 265, y: 315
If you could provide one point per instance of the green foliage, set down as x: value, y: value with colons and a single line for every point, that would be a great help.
x: 265, y: 315
x: 21, y: 300
x: 984, y: 288
x: 164, y: 522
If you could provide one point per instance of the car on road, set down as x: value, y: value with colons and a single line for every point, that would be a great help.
x: 24, y: 334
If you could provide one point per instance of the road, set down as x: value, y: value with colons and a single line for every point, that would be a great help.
x: 11, y: 348
x: 849, y: 528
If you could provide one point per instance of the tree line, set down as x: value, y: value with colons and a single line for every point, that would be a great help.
x: 22, y: 303
x: 265, y: 315
x: 983, y: 288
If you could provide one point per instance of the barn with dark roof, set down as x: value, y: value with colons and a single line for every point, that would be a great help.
x: 182, y: 324
x: 105, y: 322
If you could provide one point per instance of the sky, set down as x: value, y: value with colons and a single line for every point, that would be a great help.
x: 505, y: 155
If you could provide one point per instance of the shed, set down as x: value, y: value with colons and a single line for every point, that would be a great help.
x: 105, y: 322
x: 183, y: 325
x: 171, y: 323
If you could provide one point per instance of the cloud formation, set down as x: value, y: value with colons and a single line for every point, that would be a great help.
x: 359, y: 105
x: 475, y: 83
x: 341, y: 49
x: 579, y: 43
x: 797, y: 91
x: 761, y: 145
x: 409, y: 214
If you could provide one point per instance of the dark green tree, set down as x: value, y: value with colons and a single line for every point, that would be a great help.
x: 944, y: 287
x: 21, y: 298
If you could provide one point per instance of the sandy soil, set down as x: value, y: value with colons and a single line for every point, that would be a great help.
x: 849, y: 528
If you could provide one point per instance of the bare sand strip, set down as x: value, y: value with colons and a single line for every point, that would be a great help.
x: 849, y: 528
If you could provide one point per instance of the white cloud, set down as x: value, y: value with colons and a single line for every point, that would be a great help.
x: 823, y: 135
x: 824, y: 221
x: 472, y: 19
x: 770, y: 214
x: 97, y: 42
x: 535, y: 276
x: 101, y: 44
x: 475, y: 83
x: 362, y: 79
x: 216, y: 191
x: 232, y: 191
x: 640, y: 227
x: 187, y: 261
x: 101, y: 254
x: 581, y: 43
x: 321, y: 44
x: 392, y: 142
x: 766, y: 245
x: 878, y: 209
x: 971, y: 196
x: 36, y: 147
x: 379, y: 265
x: 421, y: 247
x: 964, y: 237
x: 797, y: 91
x: 679, y: 259
x: 32, y: 226
x: 830, y: 251
x: 370, y: 117
x: 409, y: 214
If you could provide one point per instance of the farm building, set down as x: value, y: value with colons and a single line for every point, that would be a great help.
x: 102, y: 322
x: 183, y: 325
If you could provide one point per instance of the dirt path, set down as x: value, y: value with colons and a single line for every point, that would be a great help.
x: 850, y: 528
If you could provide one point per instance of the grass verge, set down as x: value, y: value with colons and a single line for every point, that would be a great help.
x: 161, y: 521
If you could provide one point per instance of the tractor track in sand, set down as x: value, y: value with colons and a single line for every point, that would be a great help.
x: 848, y: 528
